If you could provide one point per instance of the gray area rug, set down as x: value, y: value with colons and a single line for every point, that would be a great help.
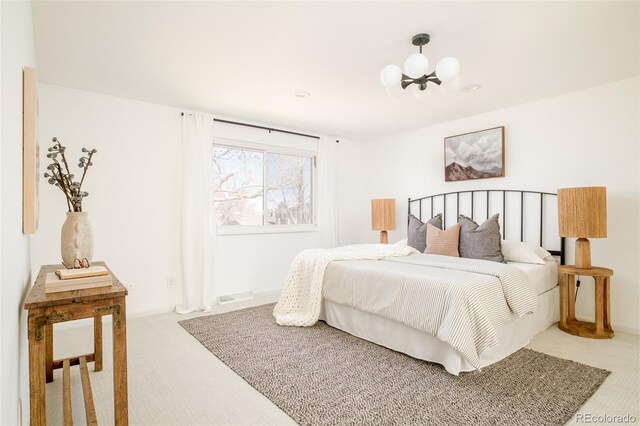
x: 322, y: 376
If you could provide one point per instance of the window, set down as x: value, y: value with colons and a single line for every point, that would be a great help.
x: 256, y: 187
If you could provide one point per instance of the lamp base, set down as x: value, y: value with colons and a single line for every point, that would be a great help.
x: 384, y: 237
x: 583, y: 253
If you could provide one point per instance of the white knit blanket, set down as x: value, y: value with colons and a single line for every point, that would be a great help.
x: 301, y: 298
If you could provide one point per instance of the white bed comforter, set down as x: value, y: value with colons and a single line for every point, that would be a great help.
x: 301, y: 298
x: 459, y: 301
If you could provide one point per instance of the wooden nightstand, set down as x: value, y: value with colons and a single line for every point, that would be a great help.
x: 601, y: 329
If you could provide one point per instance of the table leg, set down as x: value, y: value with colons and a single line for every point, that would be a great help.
x: 120, y: 393
x: 607, y: 288
x: 599, y: 304
x: 48, y: 335
x: 37, y: 374
x: 97, y: 343
x: 572, y: 297
x: 563, y: 301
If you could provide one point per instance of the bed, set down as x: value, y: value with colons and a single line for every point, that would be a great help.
x: 358, y: 294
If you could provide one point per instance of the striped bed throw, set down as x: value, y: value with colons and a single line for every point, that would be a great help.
x: 460, y: 301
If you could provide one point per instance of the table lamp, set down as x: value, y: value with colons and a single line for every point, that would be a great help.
x: 582, y: 214
x: 383, y: 217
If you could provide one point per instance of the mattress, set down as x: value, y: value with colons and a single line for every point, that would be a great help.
x: 542, y: 277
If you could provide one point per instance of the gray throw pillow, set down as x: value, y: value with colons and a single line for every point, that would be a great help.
x: 417, y: 231
x: 480, y: 241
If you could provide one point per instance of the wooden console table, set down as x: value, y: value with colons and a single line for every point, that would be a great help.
x: 47, y: 309
x: 601, y: 329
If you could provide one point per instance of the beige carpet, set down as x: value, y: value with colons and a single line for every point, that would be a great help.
x: 320, y: 375
x: 174, y: 379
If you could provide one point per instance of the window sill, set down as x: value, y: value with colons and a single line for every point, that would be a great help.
x: 260, y: 229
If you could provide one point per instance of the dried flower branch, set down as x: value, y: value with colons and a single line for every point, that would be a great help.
x: 60, y: 176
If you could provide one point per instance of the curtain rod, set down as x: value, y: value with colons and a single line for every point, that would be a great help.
x: 237, y: 123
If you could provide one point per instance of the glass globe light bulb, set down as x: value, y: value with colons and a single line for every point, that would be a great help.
x: 416, y: 65
x: 451, y: 85
x: 447, y: 69
x: 421, y: 93
x: 391, y: 75
x: 394, y: 91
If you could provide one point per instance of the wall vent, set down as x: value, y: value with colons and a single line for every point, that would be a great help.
x: 228, y: 298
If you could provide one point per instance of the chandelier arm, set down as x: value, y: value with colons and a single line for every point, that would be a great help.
x: 406, y: 83
x: 420, y: 81
x: 434, y: 79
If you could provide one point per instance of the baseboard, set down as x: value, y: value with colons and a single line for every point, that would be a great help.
x: 268, y: 293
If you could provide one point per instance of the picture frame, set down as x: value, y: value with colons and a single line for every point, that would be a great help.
x: 30, y: 151
x: 474, y: 155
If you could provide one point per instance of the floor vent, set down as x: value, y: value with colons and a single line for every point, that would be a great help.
x: 228, y: 298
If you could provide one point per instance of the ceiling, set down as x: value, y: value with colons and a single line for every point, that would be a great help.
x: 246, y: 59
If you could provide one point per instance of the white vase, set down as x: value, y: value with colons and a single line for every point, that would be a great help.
x: 77, y: 238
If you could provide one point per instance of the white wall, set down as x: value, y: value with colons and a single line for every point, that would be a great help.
x: 353, y: 178
x: 590, y: 137
x: 134, y: 201
x: 134, y: 187
x: 0, y: 213
x: 17, y: 51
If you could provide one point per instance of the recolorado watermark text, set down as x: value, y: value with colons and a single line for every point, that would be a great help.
x: 605, y: 418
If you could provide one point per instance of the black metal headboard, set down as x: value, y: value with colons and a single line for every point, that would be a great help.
x: 486, y: 195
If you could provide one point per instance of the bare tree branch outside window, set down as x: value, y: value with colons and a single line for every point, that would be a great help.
x: 288, y: 190
x: 242, y: 177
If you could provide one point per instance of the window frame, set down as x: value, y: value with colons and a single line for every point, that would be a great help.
x: 273, y: 149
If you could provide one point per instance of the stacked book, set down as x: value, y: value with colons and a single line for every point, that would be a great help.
x: 77, y: 279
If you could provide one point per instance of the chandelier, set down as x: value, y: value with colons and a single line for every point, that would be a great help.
x: 415, y: 71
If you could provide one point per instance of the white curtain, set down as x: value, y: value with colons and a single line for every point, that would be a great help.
x: 198, y: 219
x: 327, y: 192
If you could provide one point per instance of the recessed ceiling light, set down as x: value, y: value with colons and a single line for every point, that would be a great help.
x: 471, y: 88
x: 301, y: 95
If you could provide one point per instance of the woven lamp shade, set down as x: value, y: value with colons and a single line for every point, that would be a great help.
x: 383, y: 214
x: 582, y: 212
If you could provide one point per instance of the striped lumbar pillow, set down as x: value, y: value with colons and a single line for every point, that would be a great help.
x: 443, y: 242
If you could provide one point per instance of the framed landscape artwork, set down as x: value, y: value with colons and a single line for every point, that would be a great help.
x: 475, y: 155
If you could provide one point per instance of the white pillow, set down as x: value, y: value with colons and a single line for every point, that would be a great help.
x: 402, y: 242
x: 518, y: 251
